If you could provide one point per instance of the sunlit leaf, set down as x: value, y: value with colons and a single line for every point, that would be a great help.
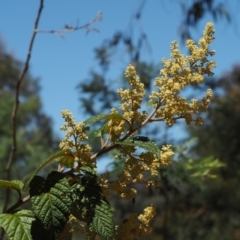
x: 18, y: 225
x: 54, y: 157
x: 14, y: 184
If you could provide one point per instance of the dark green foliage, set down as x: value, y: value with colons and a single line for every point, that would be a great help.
x: 50, y: 202
x: 220, y: 134
x: 214, y: 209
x: 102, y: 222
x: 90, y: 206
x: 141, y: 139
x: 53, y: 200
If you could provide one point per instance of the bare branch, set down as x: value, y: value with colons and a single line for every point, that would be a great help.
x: 70, y: 28
x: 16, y: 104
x: 162, y: 119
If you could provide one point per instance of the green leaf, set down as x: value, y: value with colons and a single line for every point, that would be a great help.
x: 104, y: 117
x: 67, y: 160
x: 100, y: 132
x: 149, y: 146
x: 102, y: 222
x: 152, y: 102
x: 14, y: 184
x: 50, y: 202
x: 96, y: 133
x: 90, y: 205
x: 85, y: 195
x: 88, y: 170
x: 18, y: 225
x: 203, y: 167
x: 50, y: 159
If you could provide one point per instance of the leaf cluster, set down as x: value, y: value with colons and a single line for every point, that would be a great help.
x: 54, y: 200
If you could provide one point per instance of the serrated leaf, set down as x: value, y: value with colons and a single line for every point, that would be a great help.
x: 14, y: 184
x: 50, y: 159
x: 102, y: 222
x: 104, y: 117
x: 149, y: 146
x: 52, y: 206
x: 18, y: 225
x: 88, y: 170
x: 85, y: 195
x: 90, y: 206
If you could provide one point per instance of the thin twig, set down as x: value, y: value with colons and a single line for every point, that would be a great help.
x: 70, y: 28
x: 162, y: 119
x: 16, y: 105
x: 18, y: 204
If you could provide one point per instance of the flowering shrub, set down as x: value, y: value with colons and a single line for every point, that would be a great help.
x: 76, y: 197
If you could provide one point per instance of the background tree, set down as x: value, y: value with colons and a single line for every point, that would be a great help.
x: 221, y: 130
x: 36, y: 140
x: 220, y: 137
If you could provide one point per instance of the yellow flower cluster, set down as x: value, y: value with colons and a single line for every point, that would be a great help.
x: 115, y: 126
x: 136, y: 227
x: 135, y: 168
x: 132, y: 98
x: 75, y: 133
x: 152, y: 164
x: 122, y: 189
x: 129, y: 229
x: 148, y: 215
x: 166, y: 155
x: 178, y: 72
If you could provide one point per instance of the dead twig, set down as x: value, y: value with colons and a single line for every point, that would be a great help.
x: 70, y: 28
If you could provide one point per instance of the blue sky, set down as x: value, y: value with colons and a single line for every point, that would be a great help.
x: 62, y: 63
